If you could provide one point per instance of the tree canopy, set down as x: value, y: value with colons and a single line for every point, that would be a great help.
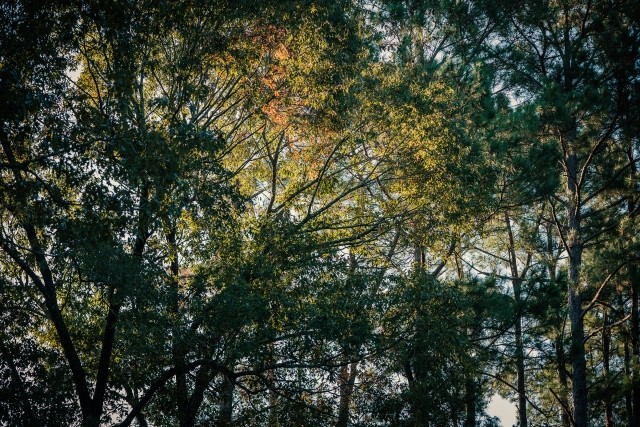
x: 345, y: 212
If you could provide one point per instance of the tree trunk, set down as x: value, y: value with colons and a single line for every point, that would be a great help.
x: 416, y: 407
x: 578, y: 360
x: 182, y: 392
x: 635, y: 318
x: 606, y: 348
x: 225, y: 418
x: 635, y: 349
x: 562, y: 379
x: 419, y: 257
x: 522, y: 397
x: 133, y: 399
x: 470, y: 403
x: 202, y: 380
x: 470, y: 385
x: 348, y: 375
x: 271, y: 379
x: 516, y: 280
x: 574, y: 247
x: 47, y: 287
x: 628, y: 398
x: 628, y: 394
x: 559, y: 343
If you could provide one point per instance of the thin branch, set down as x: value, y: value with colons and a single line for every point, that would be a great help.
x: 601, y: 287
x: 611, y: 325
x: 559, y: 228
x: 533, y: 405
x: 564, y: 407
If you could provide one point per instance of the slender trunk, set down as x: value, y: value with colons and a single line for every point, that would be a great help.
x: 349, y: 372
x: 77, y: 372
x: 574, y: 246
x: 519, y: 350
x: 572, y: 235
x: 635, y: 353
x: 470, y: 385
x: 628, y: 396
x: 522, y: 398
x: 635, y: 318
x: 562, y: 378
x: 578, y: 360
x: 470, y: 403
x: 115, y: 304
x: 270, y: 376
x: 182, y: 392
x: 348, y: 375
x: 419, y: 257
x: 606, y: 348
x: 108, y: 340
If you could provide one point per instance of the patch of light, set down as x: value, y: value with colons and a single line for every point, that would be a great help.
x: 503, y: 409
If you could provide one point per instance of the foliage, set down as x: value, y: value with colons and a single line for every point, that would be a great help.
x: 318, y: 212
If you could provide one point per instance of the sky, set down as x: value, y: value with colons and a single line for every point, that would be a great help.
x: 503, y: 409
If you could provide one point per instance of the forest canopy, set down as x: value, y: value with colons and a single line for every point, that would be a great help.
x: 319, y: 212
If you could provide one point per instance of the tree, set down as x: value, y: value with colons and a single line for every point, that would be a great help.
x: 319, y: 212
x: 557, y: 55
x: 126, y: 168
